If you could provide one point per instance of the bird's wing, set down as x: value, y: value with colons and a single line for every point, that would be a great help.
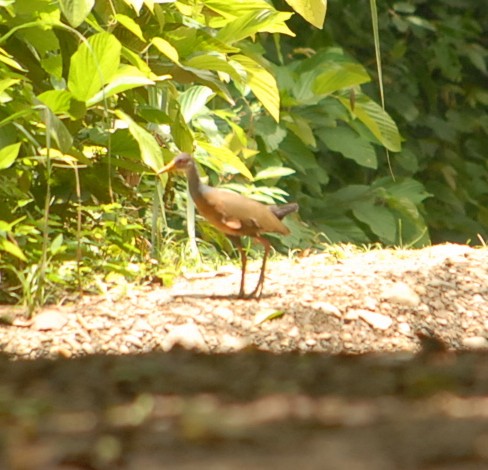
x: 238, y: 212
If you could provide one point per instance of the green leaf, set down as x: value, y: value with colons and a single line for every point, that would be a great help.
x: 213, y: 62
x: 93, y: 65
x: 338, y: 76
x: 193, y: 100
x: 253, y: 22
x: 128, y: 23
x: 273, y: 172
x: 379, y: 219
x: 166, y: 49
x: 312, y: 11
x: 407, y: 188
x: 347, y: 142
x: 228, y: 157
x: 302, y: 129
x: 58, y: 101
x: 57, y: 129
x: 8, y: 155
x: 12, y: 248
x: 262, y: 84
x: 76, y: 11
x: 150, y: 151
x: 376, y: 120
x: 126, y: 78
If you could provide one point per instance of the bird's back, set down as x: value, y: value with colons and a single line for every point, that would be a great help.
x: 238, y: 215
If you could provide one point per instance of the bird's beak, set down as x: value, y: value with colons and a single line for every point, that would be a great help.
x: 169, y: 167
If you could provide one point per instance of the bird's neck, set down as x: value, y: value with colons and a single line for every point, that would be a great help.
x: 195, y: 185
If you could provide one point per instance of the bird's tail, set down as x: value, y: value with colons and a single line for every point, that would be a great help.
x: 283, y: 209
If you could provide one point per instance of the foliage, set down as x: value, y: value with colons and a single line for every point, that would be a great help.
x: 435, y: 73
x: 97, y: 96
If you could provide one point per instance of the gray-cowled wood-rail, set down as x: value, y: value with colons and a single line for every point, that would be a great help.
x: 234, y: 214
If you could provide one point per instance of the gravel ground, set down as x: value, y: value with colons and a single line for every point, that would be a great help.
x: 382, y: 366
x: 382, y: 300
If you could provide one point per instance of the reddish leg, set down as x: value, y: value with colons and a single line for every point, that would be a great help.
x: 238, y: 244
x: 259, y: 287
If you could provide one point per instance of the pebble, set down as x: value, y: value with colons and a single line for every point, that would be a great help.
x: 187, y: 335
x: 327, y: 307
x: 376, y: 320
x: 405, y: 328
x: 401, y: 293
x: 475, y: 342
x: 49, y: 320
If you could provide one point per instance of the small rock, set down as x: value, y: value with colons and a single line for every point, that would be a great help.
x: 188, y: 336
x: 310, y: 342
x: 401, y: 294
x: 231, y: 343
x: 352, y: 314
x: 475, y: 342
x: 225, y: 313
x: 405, y: 328
x: 49, y: 320
x: 327, y: 307
x: 376, y: 320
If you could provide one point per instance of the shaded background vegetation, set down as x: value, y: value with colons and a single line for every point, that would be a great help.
x: 95, y: 99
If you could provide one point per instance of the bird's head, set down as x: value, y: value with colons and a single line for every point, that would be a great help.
x: 181, y: 162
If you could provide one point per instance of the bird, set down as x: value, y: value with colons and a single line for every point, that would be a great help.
x: 234, y: 214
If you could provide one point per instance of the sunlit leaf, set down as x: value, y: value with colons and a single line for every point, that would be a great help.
x: 252, y: 23
x: 76, y: 11
x: 166, y: 49
x: 273, y: 172
x: 128, y: 23
x: 126, y: 78
x: 58, y: 101
x: 311, y: 10
x: 12, y: 248
x: 150, y: 150
x: 262, y: 84
x: 377, y: 121
x: 8, y: 154
x: 193, y: 100
x: 93, y: 65
x: 213, y: 62
x: 338, y: 76
x: 228, y: 157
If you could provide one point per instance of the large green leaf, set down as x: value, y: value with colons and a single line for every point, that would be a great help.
x: 215, y: 62
x: 166, y: 49
x: 312, y: 10
x: 128, y: 23
x: 126, y: 78
x: 376, y: 120
x: 227, y: 157
x: 347, y: 142
x: 254, y: 22
x: 76, y: 11
x: 93, y: 65
x: 57, y: 130
x: 58, y: 101
x: 273, y: 172
x: 8, y: 155
x: 150, y: 150
x: 193, y: 100
x: 379, y: 219
x: 12, y: 248
x: 262, y: 84
x: 404, y: 188
x: 338, y: 76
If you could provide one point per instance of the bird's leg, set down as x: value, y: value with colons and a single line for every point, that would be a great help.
x: 259, y: 287
x: 238, y: 244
